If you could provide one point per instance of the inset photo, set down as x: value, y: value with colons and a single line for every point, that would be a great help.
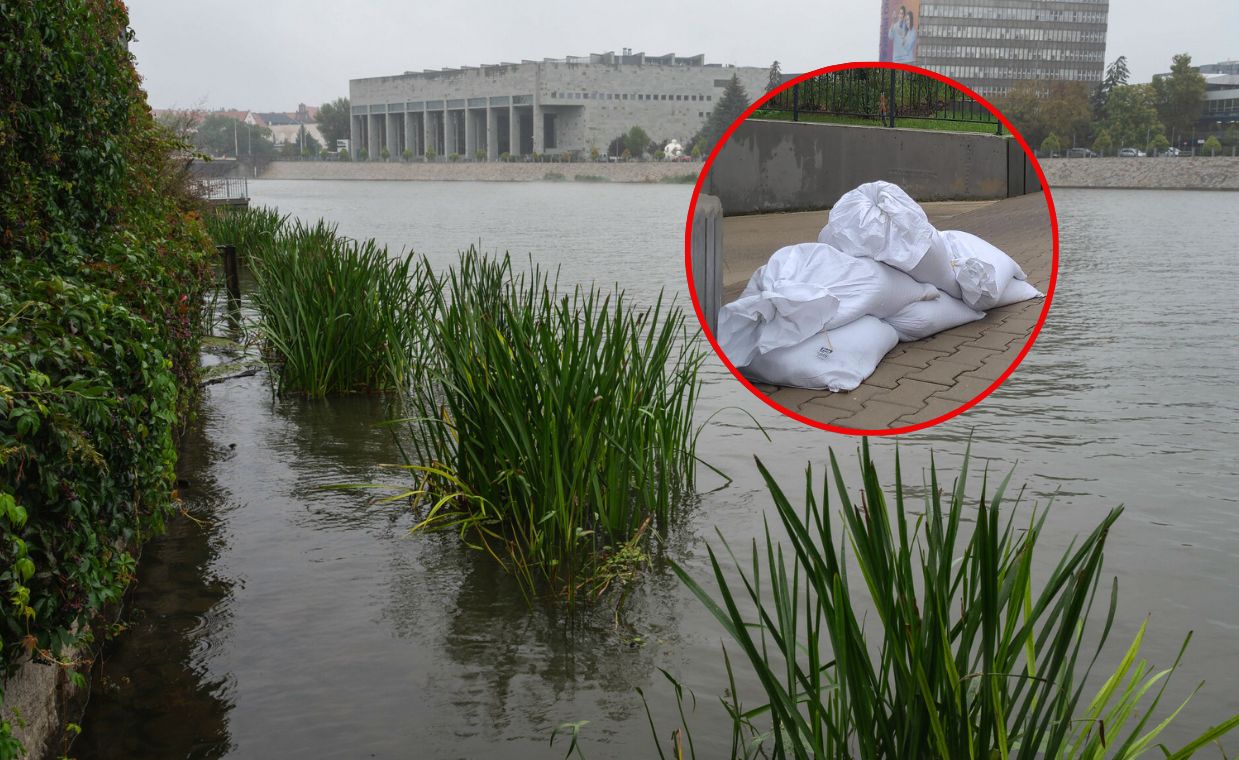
x: 870, y: 249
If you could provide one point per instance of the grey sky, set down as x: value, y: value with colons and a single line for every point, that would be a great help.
x: 274, y: 54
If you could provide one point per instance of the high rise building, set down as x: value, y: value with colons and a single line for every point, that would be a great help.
x: 990, y: 45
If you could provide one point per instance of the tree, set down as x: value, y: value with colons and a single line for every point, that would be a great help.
x: 1116, y: 76
x: 1158, y: 144
x: 1180, y: 95
x: 333, y: 121
x: 1065, y: 110
x: 1212, y: 145
x: 1038, y: 109
x: 308, y: 143
x: 1022, y: 105
x: 1103, y: 144
x: 733, y: 103
x: 1131, y: 119
x: 636, y: 141
x: 776, y: 77
x: 1051, y: 145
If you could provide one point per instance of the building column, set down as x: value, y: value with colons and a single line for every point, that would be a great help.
x: 373, y: 137
x: 449, y: 133
x: 354, y: 136
x: 410, y: 134
x: 393, y: 135
x: 538, y: 146
x: 471, y: 139
x: 514, y: 131
x: 492, y: 135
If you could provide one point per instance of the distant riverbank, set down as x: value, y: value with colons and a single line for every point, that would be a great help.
x: 659, y: 171
x: 1185, y: 173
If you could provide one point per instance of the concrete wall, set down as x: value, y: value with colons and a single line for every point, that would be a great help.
x: 644, y: 171
x: 786, y: 166
x: 1185, y: 173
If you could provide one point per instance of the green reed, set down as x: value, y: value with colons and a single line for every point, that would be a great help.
x: 963, y: 656
x: 244, y: 227
x: 338, y: 315
x: 554, y: 429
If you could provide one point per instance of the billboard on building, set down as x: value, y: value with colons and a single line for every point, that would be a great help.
x: 900, y: 21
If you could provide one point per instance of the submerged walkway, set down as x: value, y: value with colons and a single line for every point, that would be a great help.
x: 924, y: 379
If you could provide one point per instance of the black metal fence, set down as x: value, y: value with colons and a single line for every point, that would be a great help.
x: 882, y: 95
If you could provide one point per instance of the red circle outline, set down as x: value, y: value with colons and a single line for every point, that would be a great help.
x: 688, y: 241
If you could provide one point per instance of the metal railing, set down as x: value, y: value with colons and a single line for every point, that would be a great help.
x: 885, y: 96
x: 220, y: 188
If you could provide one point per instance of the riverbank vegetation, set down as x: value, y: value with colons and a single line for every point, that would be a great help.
x: 337, y: 315
x: 971, y: 650
x: 103, y: 263
x: 554, y: 427
x: 248, y: 229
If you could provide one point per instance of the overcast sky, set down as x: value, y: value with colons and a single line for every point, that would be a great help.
x: 270, y: 55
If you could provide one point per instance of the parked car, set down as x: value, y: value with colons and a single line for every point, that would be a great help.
x: 1130, y: 152
x: 1080, y: 153
x: 1172, y: 152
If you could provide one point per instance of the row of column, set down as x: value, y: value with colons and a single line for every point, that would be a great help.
x: 441, y: 130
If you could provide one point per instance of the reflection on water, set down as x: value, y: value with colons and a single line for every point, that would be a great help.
x: 306, y: 622
x: 178, y: 617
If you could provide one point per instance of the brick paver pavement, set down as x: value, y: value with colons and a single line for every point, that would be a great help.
x: 924, y: 379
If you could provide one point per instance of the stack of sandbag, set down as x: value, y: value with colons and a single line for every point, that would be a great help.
x: 822, y: 315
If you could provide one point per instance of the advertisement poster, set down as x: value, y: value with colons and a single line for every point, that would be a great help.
x: 899, y: 30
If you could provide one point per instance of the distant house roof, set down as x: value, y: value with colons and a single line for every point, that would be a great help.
x: 277, y: 119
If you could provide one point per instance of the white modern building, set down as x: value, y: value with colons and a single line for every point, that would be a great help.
x: 551, y: 106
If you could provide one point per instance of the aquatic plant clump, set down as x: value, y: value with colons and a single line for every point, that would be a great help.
x: 553, y: 428
x: 246, y: 228
x: 337, y: 315
x: 972, y: 660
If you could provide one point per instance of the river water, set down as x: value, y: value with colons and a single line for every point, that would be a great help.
x: 285, y: 620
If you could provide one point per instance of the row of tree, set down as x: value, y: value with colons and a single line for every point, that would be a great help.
x: 1115, y: 114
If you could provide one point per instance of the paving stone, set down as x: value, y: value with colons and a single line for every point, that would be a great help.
x: 792, y: 398
x: 943, y: 372
x: 849, y: 401
x: 943, y: 341
x: 910, y: 392
x: 994, y: 339
x: 965, y: 389
x: 888, y: 374
x: 877, y: 415
x: 970, y: 356
x: 908, y: 354
x: 934, y: 408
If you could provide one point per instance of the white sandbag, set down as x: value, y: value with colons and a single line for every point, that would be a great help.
x: 937, y: 267
x: 1016, y: 291
x: 862, y: 285
x: 782, y: 315
x: 880, y: 221
x: 924, y: 318
x: 837, y: 360
x: 983, y: 271
x: 804, y: 289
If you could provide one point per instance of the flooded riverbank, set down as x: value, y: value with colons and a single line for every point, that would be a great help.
x: 289, y: 620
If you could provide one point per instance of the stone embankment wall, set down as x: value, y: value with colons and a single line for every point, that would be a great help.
x: 770, y: 166
x: 651, y: 171
x: 1184, y: 173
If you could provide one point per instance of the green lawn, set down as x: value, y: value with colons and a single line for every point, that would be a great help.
x: 988, y: 127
